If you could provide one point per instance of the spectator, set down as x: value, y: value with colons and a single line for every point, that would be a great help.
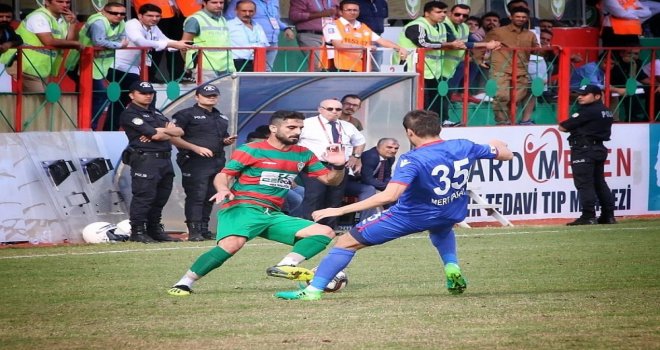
x: 646, y: 80
x: 244, y: 32
x: 50, y: 25
x: 309, y: 17
x: 142, y: 31
x: 429, y: 33
x: 473, y: 23
x: 514, y: 35
x: 268, y: 17
x: 207, y: 28
x: 320, y: 133
x: 8, y: 39
x: 627, y: 68
x: 546, y: 24
x: 453, y: 64
x: 102, y: 29
x: 373, y: 14
x: 201, y: 156
x: 347, y: 35
x: 351, y: 104
x: 532, y: 22
x: 171, y: 24
x: 375, y: 174
x: 622, y: 22
x: 489, y: 21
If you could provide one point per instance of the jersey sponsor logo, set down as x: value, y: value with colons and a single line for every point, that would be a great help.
x: 276, y: 179
x: 137, y: 121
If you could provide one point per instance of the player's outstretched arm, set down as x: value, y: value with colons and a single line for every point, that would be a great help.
x: 391, y: 193
x: 221, y: 184
x: 503, y: 151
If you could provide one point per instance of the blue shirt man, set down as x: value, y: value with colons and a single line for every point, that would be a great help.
x: 244, y: 32
x: 429, y: 183
x: 268, y: 17
x: 589, y: 74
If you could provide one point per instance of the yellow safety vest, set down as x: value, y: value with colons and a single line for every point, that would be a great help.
x: 42, y: 62
x: 212, y: 33
x: 454, y: 57
x: 432, y: 58
x: 103, y: 60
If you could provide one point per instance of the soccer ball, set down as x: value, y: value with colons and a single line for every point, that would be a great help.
x: 123, y: 228
x: 103, y: 232
x: 336, y: 284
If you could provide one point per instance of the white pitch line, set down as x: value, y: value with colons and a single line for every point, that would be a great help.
x: 274, y: 244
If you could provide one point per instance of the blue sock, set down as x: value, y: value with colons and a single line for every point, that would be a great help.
x: 445, y: 243
x: 336, y: 260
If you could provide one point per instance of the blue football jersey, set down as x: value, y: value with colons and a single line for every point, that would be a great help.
x: 437, y: 175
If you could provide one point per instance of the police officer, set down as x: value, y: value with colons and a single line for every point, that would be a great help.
x: 148, y: 153
x: 201, y: 156
x: 588, y: 128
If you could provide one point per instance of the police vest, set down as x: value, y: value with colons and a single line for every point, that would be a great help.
x: 103, y: 60
x: 454, y: 57
x: 352, y: 59
x: 626, y: 26
x: 42, y: 62
x: 212, y: 33
x: 432, y: 58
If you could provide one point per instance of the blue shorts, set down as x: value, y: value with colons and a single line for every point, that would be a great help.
x: 386, y: 226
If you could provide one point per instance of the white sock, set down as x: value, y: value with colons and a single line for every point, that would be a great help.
x: 291, y: 259
x: 187, y: 280
x: 312, y: 289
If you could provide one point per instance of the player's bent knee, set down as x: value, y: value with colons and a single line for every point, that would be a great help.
x: 232, y: 244
x: 349, y: 242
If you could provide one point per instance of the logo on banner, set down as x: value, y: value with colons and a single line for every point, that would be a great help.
x: 542, y: 155
x: 558, y: 7
x: 412, y: 7
x: 463, y: 2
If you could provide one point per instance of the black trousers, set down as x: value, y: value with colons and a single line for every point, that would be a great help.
x: 244, y: 65
x: 588, y: 164
x: 432, y: 99
x: 151, y: 184
x: 197, y: 174
x: 320, y: 196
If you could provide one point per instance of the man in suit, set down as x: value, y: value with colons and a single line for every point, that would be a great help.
x: 376, y: 172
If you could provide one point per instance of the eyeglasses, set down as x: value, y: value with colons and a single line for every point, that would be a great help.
x: 330, y: 109
x: 116, y: 13
x: 464, y: 15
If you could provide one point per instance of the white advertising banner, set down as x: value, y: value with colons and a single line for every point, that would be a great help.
x: 538, y: 183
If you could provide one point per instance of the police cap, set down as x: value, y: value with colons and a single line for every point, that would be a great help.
x: 144, y: 87
x: 589, y: 89
x: 208, y: 90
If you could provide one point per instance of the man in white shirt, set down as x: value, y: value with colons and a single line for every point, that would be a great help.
x: 244, y: 32
x: 320, y: 133
x: 141, y: 32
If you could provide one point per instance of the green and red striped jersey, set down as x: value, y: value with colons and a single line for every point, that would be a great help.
x: 264, y: 174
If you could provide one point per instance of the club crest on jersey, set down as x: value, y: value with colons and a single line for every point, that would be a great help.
x: 301, y: 165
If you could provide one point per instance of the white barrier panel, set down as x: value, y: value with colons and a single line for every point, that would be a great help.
x: 538, y: 184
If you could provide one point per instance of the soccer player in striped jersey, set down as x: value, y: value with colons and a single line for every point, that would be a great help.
x: 429, y: 187
x: 251, y: 189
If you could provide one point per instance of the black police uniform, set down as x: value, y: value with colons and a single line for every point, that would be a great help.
x: 206, y: 129
x: 588, y: 128
x: 152, y: 173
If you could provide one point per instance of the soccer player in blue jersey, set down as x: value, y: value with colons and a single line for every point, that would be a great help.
x: 429, y: 183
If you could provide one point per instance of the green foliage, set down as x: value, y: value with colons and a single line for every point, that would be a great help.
x: 528, y: 288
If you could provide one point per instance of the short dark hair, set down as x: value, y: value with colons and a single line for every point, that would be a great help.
x: 518, y: 10
x: 347, y: 2
x: 113, y: 4
x: 245, y: 2
x: 280, y: 116
x: 460, y: 6
x: 429, y: 6
x: 149, y: 8
x: 512, y: 4
x: 4, y: 8
x: 423, y: 123
x: 474, y: 18
x: 350, y: 96
x: 490, y: 14
x: 546, y: 32
x: 254, y: 136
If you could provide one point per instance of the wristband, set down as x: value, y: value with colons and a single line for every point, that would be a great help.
x: 338, y: 167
